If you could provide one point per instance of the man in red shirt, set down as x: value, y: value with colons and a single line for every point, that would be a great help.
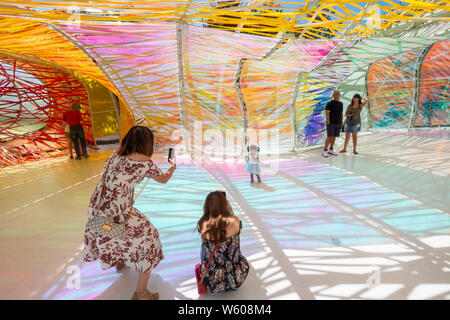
x: 73, y: 118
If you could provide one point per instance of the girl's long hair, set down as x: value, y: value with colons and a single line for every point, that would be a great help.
x: 215, y: 210
x: 139, y: 139
x: 359, y: 99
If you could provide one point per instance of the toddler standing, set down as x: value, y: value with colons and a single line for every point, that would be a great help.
x: 252, y: 166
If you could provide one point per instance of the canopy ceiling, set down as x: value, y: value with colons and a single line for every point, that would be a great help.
x: 236, y: 65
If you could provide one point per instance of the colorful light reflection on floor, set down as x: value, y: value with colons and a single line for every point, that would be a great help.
x: 316, y: 229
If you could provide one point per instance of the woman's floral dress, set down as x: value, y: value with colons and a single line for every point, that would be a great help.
x: 228, y: 268
x: 140, y: 247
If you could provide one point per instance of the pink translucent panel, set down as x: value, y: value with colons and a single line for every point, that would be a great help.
x: 141, y: 61
x: 211, y: 58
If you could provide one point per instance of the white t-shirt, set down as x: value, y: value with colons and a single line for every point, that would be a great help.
x: 252, y: 160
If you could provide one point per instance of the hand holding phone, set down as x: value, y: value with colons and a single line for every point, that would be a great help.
x: 171, y: 157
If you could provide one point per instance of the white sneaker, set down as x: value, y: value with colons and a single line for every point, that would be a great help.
x: 332, y: 152
x: 325, y: 154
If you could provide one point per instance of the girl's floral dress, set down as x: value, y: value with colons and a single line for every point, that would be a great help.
x: 228, y: 268
x: 140, y: 247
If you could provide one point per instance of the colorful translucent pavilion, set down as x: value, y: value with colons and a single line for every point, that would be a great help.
x: 236, y: 65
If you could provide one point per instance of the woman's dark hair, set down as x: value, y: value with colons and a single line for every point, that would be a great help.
x: 75, y: 106
x: 139, y: 139
x: 215, y: 210
x: 359, y: 99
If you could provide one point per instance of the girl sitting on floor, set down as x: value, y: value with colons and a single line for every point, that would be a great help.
x: 223, y: 266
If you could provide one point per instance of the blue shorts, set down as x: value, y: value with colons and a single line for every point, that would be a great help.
x: 352, y: 126
x: 333, y: 129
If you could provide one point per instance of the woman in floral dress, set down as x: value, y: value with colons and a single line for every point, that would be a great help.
x: 139, y: 248
x: 219, y: 227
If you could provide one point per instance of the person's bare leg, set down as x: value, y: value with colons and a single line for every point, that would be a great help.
x: 142, y: 282
x: 259, y: 178
x: 141, y: 288
x: 347, y: 139
x: 70, y: 146
x: 332, y: 140
x: 327, y: 143
x: 252, y: 180
x: 355, y: 141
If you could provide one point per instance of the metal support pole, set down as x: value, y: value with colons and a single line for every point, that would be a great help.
x: 369, y: 109
x: 181, y: 35
x: 117, y: 107
x: 293, y: 113
x: 274, y: 49
x: 297, y: 85
x: 237, y: 85
x: 415, y: 104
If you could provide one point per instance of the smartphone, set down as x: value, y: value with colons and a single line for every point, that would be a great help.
x: 171, y: 153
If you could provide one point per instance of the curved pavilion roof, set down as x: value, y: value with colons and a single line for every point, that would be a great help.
x: 228, y: 64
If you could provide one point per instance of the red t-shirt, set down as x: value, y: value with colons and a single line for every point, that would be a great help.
x: 72, y: 117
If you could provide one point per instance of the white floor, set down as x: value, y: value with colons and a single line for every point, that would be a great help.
x: 372, y: 226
